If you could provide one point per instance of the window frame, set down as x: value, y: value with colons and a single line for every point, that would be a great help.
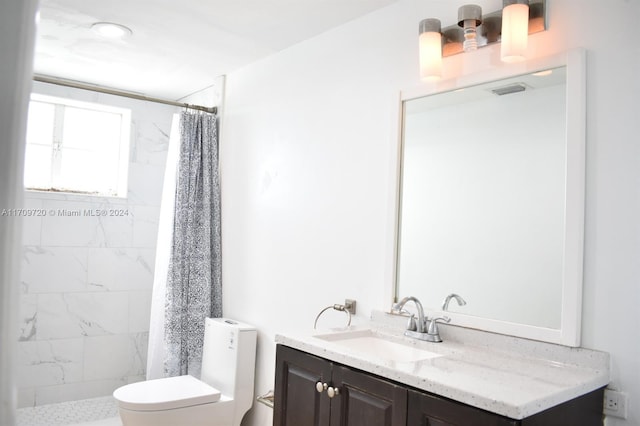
x: 60, y: 104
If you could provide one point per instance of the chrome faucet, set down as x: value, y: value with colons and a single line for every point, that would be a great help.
x: 418, y: 326
x: 423, y: 328
x: 432, y: 329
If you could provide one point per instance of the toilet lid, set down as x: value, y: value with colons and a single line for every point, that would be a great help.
x: 166, y: 394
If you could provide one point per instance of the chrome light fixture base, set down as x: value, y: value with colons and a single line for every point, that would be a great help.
x: 490, y: 28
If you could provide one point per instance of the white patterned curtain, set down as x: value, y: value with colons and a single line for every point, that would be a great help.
x: 193, y: 288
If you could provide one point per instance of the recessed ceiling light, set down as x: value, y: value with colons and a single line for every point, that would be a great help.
x: 111, y: 30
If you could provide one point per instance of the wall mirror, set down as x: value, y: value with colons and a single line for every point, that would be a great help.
x: 491, y: 199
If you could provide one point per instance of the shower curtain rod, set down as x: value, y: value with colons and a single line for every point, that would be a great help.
x: 78, y: 85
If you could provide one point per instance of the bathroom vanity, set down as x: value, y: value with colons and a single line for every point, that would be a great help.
x: 492, y: 209
x: 356, y: 377
x: 366, y: 399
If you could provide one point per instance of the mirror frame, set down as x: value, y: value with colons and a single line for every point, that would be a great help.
x: 569, y: 333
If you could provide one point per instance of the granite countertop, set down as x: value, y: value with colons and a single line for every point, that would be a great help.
x: 509, y: 376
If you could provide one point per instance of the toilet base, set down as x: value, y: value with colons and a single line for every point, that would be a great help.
x: 214, y: 414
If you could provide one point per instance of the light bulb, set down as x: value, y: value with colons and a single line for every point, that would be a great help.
x: 515, y: 30
x: 469, y: 17
x: 430, y: 43
x: 470, y: 35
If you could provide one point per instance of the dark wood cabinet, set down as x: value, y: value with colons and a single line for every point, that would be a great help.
x: 363, y: 399
x: 296, y: 400
x: 431, y: 410
x: 350, y: 397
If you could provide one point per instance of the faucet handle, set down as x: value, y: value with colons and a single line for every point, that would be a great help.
x: 433, y: 324
x: 411, y: 323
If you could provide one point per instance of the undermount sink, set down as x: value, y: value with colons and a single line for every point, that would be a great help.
x: 367, y: 342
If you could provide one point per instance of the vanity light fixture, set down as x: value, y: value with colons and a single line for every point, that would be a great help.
x: 509, y: 26
x: 111, y: 30
x: 430, y: 49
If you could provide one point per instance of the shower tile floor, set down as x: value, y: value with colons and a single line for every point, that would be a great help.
x: 86, y: 412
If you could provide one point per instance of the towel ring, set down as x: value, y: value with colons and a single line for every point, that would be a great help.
x: 336, y: 307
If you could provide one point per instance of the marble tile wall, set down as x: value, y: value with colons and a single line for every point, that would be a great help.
x: 86, y: 280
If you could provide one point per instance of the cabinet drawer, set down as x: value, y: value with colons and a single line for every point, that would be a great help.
x: 431, y: 410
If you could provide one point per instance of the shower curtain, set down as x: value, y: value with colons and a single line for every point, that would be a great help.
x: 187, y: 283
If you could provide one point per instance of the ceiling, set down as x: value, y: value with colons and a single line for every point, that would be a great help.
x: 177, y: 47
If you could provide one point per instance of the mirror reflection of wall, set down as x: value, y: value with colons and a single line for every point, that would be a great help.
x: 483, y: 199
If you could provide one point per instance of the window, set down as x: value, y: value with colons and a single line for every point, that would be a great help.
x: 77, y: 147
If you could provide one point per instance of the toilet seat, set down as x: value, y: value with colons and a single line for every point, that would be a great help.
x: 166, y: 394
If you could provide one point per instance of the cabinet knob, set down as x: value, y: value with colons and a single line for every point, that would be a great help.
x: 331, y: 391
x: 321, y: 387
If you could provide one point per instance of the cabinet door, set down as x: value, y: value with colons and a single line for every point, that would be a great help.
x: 430, y: 410
x: 364, y: 400
x: 297, y: 402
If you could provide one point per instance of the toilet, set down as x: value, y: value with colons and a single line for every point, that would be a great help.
x: 221, y: 397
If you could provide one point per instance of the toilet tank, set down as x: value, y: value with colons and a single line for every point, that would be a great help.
x: 229, y: 357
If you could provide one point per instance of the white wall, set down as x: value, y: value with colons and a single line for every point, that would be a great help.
x: 307, y: 149
x: 17, y: 30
